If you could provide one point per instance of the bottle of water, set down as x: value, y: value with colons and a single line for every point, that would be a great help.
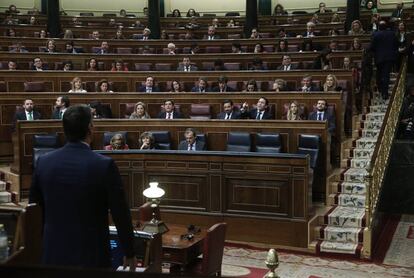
x: 4, y: 249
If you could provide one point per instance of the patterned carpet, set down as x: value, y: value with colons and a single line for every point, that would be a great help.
x: 242, y: 261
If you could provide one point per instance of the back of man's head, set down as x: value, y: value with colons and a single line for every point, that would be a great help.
x: 76, y: 122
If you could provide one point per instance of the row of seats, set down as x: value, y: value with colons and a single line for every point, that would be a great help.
x: 236, y: 142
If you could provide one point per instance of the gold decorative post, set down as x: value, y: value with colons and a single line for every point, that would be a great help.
x: 272, y: 262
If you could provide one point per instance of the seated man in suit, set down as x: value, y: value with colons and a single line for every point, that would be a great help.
x: 322, y: 114
x: 258, y: 113
x: 95, y: 35
x: 201, y: 87
x: 149, y: 86
x: 62, y: 103
x: 222, y: 85
x: 186, y: 65
x: 29, y: 114
x: 211, y: 34
x: 310, y: 30
x: 38, y: 64
x: 307, y: 85
x: 229, y: 111
x: 146, y: 33
x: 169, y: 112
x: 104, y: 48
x: 287, y: 63
x: 191, y: 143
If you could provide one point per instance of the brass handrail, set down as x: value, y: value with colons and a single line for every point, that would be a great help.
x: 380, y: 158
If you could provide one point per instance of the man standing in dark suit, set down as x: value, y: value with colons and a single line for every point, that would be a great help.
x: 62, y: 104
x: 28, y: 114
x: 322, y: 114
x: 169, y: 112
x: 149, y: 86
x: 75, y: 188
x: 229, y: 112
x: 384, y: 45
x: 191, y: 143
x: 258, y: 113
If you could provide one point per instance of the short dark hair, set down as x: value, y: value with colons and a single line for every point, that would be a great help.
x: 76, y: 121
x: 227, y: 101
x: 66, y: 100
x: 169, y: 100
x: 265, y: 99
x: 190, y: 129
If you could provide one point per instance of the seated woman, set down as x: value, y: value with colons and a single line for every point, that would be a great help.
x: 323, y: 61
x: 176, y: 13
x: 92, y: 65
x: 103, y: 86
x: 331, y: 84
x: 50, y: 46
x: 117, y: 143
x: 140, y: 112
x: 251, y: 86
x: 336, y: 18
x: 176, y: 87
x: 283, y: 46
x: 119, y: 35
x: 258, y: 48
x: 293, y: 113
x: 279, y: 10
x: 279, y: 85
x: 99, y: 111
x: 356, y: 28
x: 346, y: 64
x: 191, y: 13
x: 146, y: 141
x: 77, y: 86
x: 356, y: 44
x: 119, y: 66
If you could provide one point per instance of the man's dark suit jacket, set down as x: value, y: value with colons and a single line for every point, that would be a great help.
x: 252, y: 113
x: 192, y: 68
x: 200, y: 146
x: 330, y: 117
x: 196, y: 89
x: 215, y: 37
x: 313, y: 88
x: 143, y: 89
x: 176, y: 115
x: 292, y: 67
x: 234, y: 115
x: 228, y: 89
x: 100, y: 52
x: 56, y: 114
x: 22, y: 117
x: 76, y: 187
x: 384, y: 44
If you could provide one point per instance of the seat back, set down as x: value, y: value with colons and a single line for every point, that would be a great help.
x: 213, y: 248
x: 42, y: 144
x: 213, y: 49
x: 310, y: 144
x: 268, y: 143
x: 124, y: 50
x: 143, y: 66
x: 238, y: 142
x: 34, y: 86
x: 232, y: 66
x: 3, y: 86
x: 200, y: 111
x: 109, y: 134
x: 163, y: 67
x: 162, y: 139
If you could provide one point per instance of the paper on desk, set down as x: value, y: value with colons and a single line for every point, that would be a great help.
x: 138, y: 269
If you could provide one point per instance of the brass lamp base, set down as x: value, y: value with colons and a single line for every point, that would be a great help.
x: 155, y: 227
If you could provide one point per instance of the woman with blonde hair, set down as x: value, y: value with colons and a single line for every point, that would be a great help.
x: 279, y: 85
x: 356, y: 28
x: 140, y: 112
x: 77, y: 86
x: 331, y: 84
x: 117, y: 143
x: 293, y: 112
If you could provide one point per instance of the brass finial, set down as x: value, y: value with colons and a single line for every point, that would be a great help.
x: 272, y: 262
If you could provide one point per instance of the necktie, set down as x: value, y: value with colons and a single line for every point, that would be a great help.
x: 227, y: 116
x: 319, y: 116
x: 30, y: 116
x: 149, y: 90
x: 60, y: 114
x: 258, y: 115
x: 187, y: 68
x: 169, y: 116
x: 190, y: 147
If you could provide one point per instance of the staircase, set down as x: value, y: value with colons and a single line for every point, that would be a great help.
x: 340, y: 229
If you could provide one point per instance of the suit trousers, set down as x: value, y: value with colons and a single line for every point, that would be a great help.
x: 383, y: 77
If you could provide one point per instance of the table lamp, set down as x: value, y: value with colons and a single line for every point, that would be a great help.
x: 154, y: 194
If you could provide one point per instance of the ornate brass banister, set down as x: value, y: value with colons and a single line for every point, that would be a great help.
x: 380, y: 158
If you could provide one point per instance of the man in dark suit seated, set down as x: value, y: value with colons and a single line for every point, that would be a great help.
x: 149, y: 86
x: 104, y: 48
x: 307, y: 85
x: 287, y: 63
x: 38, y: 64
x: 258, y: 113
x: 201, y: 86
x: 222, y: 85
x: 310, y: 30
x: 191, y: 143
x: 169, y: 112
x: 398, y: 12
x: 29, y: 114
x: 76, y: 188
x: 62, y: 104
x: 211, y: 34
x: 186, y: 65
x: 229, y: 111
x: 322, y: 114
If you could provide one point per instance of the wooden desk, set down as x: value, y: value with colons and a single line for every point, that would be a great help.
x: 181, y: 251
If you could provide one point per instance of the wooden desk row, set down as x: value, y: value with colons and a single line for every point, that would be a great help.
x: 158, y: 45
x: 170, y: 62
x: 258, y: 196
x: 109, y: 32
x: 215, y: 130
